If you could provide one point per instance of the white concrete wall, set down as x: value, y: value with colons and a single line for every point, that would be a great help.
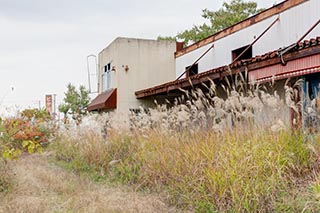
x: 150, y: 63
x: 107, y: 55
x: 293, y: 24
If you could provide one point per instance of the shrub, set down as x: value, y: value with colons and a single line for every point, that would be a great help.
x: 24, y: 132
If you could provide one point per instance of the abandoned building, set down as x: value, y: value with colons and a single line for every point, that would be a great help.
x: 128, y: 65
x: 276, y: 44
x: 279, y: 43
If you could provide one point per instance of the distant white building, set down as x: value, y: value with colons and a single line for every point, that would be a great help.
x: 128, y: 65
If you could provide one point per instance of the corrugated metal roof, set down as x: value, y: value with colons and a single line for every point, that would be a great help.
x: 276, y: 9
x: 253, y: 63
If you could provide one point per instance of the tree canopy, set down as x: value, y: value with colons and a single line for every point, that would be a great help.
x: 229, y: 14
x: 75, y: 102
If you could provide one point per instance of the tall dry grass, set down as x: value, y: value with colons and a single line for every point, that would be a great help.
x: 5, y: 177
x: 209, y: 153
x: 40, y: 186
x: 255, y: 171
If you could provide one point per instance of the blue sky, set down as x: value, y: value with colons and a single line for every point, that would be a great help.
x: 44, y: 43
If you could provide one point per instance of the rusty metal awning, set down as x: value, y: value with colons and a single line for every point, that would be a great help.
x: 304, y: 56
x: 105, y: 100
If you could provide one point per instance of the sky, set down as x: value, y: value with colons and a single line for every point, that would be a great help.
x: 44, y: 44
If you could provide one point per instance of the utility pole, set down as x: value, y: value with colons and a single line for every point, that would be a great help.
x: 39, y: 104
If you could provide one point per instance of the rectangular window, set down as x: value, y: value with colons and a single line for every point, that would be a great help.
x: 243, y: 55
x: 192, y: 70
x: 106, y: 77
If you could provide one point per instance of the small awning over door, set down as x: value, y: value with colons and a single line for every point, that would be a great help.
x: 104, y: 101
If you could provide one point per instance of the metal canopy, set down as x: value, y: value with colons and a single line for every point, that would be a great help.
x: 105, y: 100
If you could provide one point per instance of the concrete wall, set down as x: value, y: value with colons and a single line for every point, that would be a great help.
x: 293, y: 24
x: 149, y: 63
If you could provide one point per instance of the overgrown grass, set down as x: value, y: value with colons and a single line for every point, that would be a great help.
x: 24, y: 132
x: 257, y: 170
x: 5, y: 177
x: 231, y: 154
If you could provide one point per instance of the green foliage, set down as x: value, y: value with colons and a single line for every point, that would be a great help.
x: 41, y: 115
x: 23, y: 133
x: 230, y: 13
x: 32, y: 146
x: 26, y: 133
x: 75, y: 103
x: 166, y: 38
x: 11, y: 154
x: 17, y: 130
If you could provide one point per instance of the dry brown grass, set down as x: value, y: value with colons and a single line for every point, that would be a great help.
x: 42, y: 187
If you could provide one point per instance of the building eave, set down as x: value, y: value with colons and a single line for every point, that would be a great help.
x: 279, y: 8
x: 104, y: 101
x: 300, y: 50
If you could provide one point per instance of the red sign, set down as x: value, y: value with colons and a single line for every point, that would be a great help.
x: 49, y: 103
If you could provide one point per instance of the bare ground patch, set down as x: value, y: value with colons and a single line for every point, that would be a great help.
x: 42, y: 187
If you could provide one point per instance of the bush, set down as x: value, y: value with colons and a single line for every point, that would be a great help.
x: 24, y: 132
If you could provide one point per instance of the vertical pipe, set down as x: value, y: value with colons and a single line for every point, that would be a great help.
x: 89, y: 83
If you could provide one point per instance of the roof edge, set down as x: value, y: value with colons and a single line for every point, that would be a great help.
x: 135, y: 39
x: 302, y: 49
x: 276, y: 9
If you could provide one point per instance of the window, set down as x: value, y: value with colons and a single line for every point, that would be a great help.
x: 192, y: 70
x: 106, y: 77
x: 246, y: 55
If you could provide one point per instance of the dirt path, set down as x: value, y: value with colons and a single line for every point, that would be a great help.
x: 43, y: 187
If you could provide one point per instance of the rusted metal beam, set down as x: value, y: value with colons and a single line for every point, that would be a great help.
x: 190, y: 67
x: 279, y: 8
x: 287, y: 49
x: 309, y: 31
x: 264, y: 32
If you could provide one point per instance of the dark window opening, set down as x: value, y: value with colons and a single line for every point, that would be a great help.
x: 192, y: 70
x: 246, y: 55
x: 107, y: 67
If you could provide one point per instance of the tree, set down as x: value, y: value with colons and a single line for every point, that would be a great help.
x: 40, y: 115
x: 229, y: 14
x: 75, y: 103
x: 166, y: 38
x: 64, y: 108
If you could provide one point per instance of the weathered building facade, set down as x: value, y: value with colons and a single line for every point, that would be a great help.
x: 128, y: 65
x: 279, y: 43
x: 292, y: 19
